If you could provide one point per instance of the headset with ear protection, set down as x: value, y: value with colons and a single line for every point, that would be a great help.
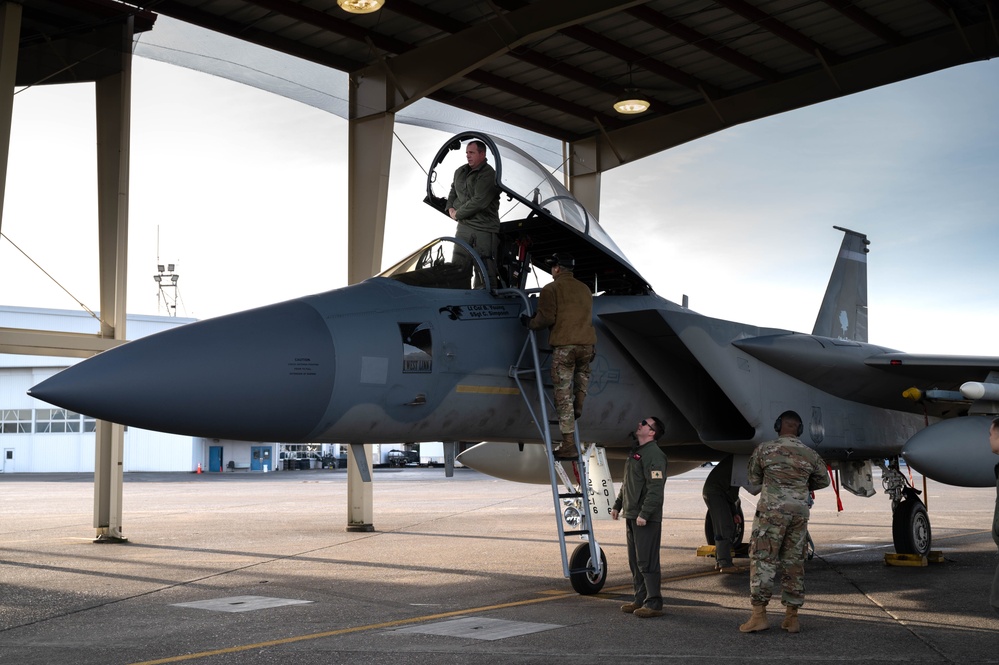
x: 789, y: 414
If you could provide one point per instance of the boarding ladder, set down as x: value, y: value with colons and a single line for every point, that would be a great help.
x: 585, y: 566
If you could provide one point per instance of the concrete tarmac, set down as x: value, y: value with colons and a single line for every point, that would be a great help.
x: 258, y: 568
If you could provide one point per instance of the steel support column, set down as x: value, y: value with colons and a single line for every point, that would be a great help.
x: 369, y: 155
x: 10, y: 33
x: 113, y: 99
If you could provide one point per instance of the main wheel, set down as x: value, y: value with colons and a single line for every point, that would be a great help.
x: 910, y: 527
x: 586, y: 583
x: 740, y: 529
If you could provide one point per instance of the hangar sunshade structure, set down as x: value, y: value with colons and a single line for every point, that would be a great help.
x: 551, y: 68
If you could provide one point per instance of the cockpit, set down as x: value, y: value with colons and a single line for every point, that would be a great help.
x: 445, y: 263
x: 538, y: 217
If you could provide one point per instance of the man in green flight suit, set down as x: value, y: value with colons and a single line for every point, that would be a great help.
x: 473, y: 202
x: 641, y: 502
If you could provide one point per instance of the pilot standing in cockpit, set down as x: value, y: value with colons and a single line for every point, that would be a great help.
x: 474, y: 203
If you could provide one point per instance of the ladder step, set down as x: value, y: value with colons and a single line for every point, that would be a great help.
x: 571, y: 495
x: 580, y: 532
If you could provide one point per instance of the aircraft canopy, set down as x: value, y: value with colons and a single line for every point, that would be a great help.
x: 538, y: 216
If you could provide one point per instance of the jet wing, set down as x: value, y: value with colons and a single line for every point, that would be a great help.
x: 946, y: 372
x: 871, y: 374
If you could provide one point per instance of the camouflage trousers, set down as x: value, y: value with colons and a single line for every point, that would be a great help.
x: 570, y: 374
x: 778, y: 542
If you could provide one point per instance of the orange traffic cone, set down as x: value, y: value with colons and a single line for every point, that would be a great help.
x: 199, y: 467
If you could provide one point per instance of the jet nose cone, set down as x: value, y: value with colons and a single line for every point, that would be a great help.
x: 261, y: 375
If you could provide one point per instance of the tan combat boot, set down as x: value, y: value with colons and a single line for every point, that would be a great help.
x: 790, y: 622
x: 568, y: 448
x: 757, y: 622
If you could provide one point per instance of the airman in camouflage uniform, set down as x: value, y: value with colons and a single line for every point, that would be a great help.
x: 788, y: 471
x: 565, y: 307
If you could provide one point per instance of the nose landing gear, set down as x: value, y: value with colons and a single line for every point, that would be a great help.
x: 910, y: 524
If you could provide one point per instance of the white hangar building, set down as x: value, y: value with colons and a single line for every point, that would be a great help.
x: 36, y: 437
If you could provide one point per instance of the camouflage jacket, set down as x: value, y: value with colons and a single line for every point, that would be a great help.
x: 644, y: 484
x: 788, y: 471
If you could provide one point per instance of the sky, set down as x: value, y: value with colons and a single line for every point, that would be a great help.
x: 245, y: 192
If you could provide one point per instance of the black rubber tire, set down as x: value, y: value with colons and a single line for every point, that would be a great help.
x: 586, y: 584
x: 910, y: 527
x: 740, y: 529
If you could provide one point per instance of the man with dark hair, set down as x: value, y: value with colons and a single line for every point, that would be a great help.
x: 474, y: 203
x: 641, y: 502
x: 788, y: 470
x: 565, y: 307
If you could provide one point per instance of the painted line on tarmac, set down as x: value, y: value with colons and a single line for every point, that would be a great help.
x: 548, y: 596
x: 355, y: 629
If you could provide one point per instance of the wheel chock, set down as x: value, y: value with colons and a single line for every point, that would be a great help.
x: 706, y: 550
x: 893, y: 559
x: 933, y: 556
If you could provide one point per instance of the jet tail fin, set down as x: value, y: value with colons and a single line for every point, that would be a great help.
x: 843, y: 313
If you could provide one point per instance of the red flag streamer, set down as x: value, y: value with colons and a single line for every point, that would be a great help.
x: 835, y: 486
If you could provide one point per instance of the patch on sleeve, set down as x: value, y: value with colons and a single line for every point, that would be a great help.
x: 657, y: 475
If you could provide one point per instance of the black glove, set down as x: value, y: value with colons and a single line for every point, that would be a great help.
x: 525, y: 320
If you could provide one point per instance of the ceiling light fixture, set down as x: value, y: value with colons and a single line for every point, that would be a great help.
x: 631, y: 103
x: 360, y: 6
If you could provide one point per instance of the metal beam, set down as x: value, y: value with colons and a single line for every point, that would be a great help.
x: 360, y: 512
x: 113, y: 99
x: 369, y: 154
x: 10, y: 32
x: 605, y: 151
x: 391, y: 85
x: 51, y: 343
x: 586, y: 189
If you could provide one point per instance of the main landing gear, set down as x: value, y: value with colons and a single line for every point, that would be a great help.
x: 910, y: 524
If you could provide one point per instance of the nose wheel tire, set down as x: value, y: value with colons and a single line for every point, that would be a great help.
x: 586, y: 583
x: 910, y: 527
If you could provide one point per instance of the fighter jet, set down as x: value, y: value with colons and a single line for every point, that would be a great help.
x: 428, y: 350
